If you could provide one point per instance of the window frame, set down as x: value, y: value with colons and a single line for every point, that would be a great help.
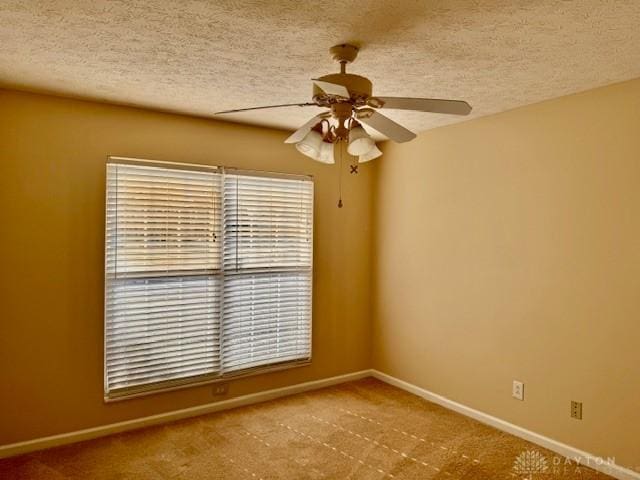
x: 126, y: 393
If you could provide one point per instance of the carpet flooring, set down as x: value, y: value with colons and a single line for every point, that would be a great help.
x: 359, y: 430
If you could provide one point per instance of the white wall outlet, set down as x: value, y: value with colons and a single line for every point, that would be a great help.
x: 518, y: 390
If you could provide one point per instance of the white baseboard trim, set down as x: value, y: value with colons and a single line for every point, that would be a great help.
x: 567, y: 451
x: 103, y: 430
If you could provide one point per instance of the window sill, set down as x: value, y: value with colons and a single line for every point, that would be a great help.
x: 180, y: 384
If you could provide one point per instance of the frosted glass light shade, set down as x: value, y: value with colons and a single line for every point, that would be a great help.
x: 310, y: 145
x: 370, y: 155
x: 359, y: 141
x: 326, y: 153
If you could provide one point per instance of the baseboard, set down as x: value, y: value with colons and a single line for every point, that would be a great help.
x: 567, y: 451
x: 103, y: 430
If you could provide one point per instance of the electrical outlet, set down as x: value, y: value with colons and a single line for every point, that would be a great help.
x: 576, y: 410
x: 220, y: 389
x: 518, y: 390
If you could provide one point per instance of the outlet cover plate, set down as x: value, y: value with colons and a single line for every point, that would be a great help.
x: 576, y: 410
x: 220, y: 389
x: 518, y: 390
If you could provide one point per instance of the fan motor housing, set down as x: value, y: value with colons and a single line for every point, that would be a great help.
x: 359, y: 89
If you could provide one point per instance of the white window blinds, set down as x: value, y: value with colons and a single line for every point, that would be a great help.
x: 267, y: 266
x: 207, y: 274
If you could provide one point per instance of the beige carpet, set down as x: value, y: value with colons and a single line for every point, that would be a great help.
x: 360, y: 430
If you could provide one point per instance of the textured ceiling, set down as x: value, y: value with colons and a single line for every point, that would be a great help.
x: 199, y: 57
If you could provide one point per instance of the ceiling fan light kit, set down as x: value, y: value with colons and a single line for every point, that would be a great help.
x: 350, y: 102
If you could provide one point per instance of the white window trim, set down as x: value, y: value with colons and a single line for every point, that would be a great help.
x: 178, y: 384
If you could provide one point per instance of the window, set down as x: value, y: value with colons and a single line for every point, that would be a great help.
x: 208, y: 274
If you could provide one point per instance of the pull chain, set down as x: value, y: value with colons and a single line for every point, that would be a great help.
x: 340, y: 177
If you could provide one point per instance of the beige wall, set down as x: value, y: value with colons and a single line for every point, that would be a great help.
x: 509, y: 248
x: 52, y: 169
x: 505, y: 248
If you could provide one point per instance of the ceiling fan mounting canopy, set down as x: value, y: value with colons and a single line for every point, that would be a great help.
x: 344, y: 53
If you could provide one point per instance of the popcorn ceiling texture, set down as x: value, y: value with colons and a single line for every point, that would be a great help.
x: 198, y: 57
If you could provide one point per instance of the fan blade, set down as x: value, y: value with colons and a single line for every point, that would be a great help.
x: 332, y: 88
x: 433, y: 105
x: 304, y: 129
x: 269, y: 106
x: 385, y: 126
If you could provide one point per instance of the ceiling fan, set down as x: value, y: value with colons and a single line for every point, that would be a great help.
x: 350, y: 102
